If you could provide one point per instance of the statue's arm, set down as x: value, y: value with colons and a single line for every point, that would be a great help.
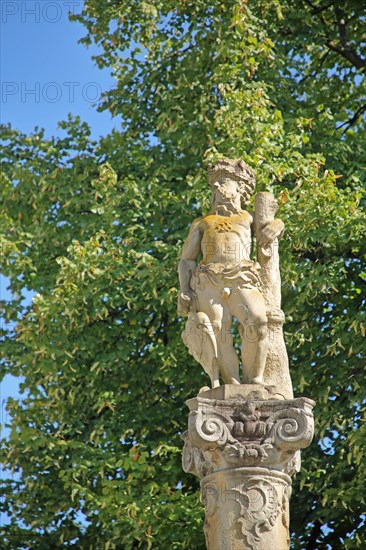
x: 190, y: 252
x: 269, y: 231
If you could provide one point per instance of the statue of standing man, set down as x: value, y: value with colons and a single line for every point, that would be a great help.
x: 227, y: 284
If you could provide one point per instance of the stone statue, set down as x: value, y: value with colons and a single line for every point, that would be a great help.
x: 243, y: 439
x: 228, y: 283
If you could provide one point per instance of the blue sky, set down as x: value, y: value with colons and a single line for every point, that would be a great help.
x: 46, y: 74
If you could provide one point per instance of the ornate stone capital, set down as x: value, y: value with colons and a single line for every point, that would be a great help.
x: 244, y: 445
x: 246, y: 431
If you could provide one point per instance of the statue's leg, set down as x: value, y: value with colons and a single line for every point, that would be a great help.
x: 215, y: 374
x: 249, y: 308
x: 210, y: 302
x: 229, y: 362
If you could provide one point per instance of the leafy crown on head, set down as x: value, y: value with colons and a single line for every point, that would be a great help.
x: 237, y: 170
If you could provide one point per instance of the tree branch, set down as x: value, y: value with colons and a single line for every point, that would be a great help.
x: 320, y: 64
x: 318, y: 9
x: 344, y: 48
x: 353, y: 119
x: 348, y: 53
x: 313, y: 542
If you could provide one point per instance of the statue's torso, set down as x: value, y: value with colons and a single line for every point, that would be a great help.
x: 226, y: 239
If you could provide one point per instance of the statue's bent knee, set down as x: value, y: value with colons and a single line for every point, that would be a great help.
x: 253, y: 332
x: 262, y: 330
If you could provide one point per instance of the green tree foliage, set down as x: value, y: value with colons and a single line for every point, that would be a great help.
x: 95, y: 230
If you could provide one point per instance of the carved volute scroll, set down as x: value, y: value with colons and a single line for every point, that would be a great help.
x: 237, y: 433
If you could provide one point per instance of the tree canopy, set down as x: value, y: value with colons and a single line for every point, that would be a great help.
x: 94, y: 229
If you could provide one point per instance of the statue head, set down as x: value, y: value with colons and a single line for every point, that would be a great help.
x: 232, y: 182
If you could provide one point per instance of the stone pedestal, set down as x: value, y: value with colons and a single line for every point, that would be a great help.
x: 244, y: 443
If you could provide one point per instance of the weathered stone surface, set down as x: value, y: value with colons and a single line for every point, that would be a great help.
x: 243, y: 439
x: 246, y: 431
x: 229, y: 391
x: 246, y: 508
x: 229, y: 283
x: 244, y: 447
x: 276, y: 371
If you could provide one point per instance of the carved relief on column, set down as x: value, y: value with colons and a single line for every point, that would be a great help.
x: 245, y: 449
x: 246, y: 508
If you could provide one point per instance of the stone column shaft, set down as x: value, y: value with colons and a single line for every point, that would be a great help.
x: 246, y: 508
x: 244, y: 446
